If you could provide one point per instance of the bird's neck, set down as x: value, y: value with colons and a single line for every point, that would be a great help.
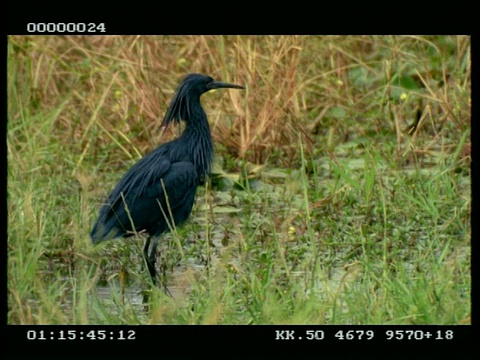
x: 199, y: 139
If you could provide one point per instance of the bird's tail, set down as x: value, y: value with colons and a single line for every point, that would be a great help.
x: 105, y: 230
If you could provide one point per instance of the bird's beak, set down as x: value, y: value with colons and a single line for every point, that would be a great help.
x: 218, y: 85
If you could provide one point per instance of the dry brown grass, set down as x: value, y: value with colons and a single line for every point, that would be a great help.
x: 117, y: 88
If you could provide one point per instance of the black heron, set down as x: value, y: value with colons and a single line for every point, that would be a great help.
x: 158, y: 191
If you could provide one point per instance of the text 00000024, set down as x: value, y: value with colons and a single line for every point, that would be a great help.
x: 66, y: 28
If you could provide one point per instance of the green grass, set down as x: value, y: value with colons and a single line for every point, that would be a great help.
x: 340, y: 192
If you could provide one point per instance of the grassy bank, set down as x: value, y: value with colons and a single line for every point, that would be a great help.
x: 340, y: 192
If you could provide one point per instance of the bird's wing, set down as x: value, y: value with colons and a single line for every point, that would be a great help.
x: 113, y: 220
x: 167, y: 200
x: 137, y: 201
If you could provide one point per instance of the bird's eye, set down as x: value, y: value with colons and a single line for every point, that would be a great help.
x: 208, y: 83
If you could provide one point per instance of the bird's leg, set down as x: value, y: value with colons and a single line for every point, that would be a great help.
x: 153, y: 258
x: 150, y: 259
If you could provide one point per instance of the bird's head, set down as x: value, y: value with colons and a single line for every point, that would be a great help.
x: 185, y: 103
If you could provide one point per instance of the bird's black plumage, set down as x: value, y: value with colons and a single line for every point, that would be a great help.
x: 172, y: 171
